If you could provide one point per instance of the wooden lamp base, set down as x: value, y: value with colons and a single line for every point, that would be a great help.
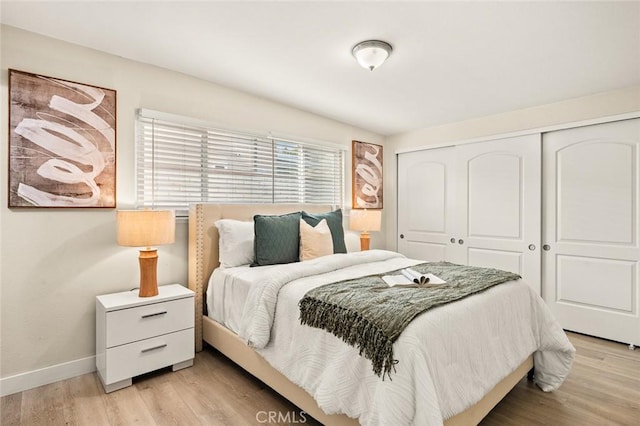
x: 148, y: 272
x: 365, y: 239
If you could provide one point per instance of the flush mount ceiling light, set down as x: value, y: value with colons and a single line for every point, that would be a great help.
x: 371, y: 54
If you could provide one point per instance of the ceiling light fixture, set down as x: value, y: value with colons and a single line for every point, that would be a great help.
x: 370, y: 54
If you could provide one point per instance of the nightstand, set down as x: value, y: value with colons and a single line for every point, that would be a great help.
x: 136, y: 335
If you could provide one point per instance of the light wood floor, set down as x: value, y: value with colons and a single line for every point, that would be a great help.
x: 602, y: 389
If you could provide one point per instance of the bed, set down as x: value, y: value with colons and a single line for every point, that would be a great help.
x: 553, y: 353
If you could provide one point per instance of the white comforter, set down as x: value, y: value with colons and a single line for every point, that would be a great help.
x: 448, y: 357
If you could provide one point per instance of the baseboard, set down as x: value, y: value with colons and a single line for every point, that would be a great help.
x: 44, y: 376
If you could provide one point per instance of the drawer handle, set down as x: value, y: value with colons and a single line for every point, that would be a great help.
x: 154, y: 315
x: 154, y: 348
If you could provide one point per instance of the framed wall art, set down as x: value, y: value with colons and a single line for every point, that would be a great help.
x: 366, y: 188
x: 62, y: 143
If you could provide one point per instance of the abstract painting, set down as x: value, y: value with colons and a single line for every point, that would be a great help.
x: 366, y: 175
x: 62, y: 143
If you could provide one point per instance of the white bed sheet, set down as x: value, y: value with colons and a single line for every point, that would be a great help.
x: 227, y: 292
x: 479, y: 341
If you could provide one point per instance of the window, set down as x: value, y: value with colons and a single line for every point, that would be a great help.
x: 181, y: 161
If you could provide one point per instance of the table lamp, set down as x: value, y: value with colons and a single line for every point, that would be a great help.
x: 365, y: 221
x: 146, y: 228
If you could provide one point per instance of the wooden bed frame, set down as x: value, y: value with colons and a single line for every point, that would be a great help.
x: 203, y: 259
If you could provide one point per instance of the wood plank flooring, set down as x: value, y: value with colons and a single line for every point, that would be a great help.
x: 602, y: 389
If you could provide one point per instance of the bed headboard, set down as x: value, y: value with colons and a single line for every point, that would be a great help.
x: 203, y: 242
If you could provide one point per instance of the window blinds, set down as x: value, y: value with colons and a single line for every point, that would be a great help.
x: 179, y: 163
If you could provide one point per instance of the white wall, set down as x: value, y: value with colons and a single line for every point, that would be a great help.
x: 54, y: 262
x: 569, y: 111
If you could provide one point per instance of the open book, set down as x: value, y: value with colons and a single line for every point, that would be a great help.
x: 409, y: 276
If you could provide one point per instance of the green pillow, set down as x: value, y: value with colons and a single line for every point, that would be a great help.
x: 277, y: 239
x: 334, y: 220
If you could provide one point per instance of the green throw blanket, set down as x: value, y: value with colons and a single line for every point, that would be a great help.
x: 368, y: 314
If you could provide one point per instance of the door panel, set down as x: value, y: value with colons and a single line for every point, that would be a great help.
x: 494, y: 196
x: 499, y: 190
x: 591, y: 274
x: 582, y: 280
x: 505, y: 260
x: 595, y: 180
x: 427, y: 213
x: 425, y: 251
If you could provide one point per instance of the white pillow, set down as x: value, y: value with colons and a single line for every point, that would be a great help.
x: 315, y: 242
x: 236, y: 242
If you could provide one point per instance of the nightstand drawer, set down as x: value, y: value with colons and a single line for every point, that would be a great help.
x: 141, y: 322
x: 137, y: 358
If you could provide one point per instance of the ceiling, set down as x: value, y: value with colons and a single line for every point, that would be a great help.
x: 451, y: 61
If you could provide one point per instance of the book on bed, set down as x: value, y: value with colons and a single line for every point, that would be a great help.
x: 410, y: 276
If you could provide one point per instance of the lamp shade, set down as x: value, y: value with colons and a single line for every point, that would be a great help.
x: 145, y: 228
x: 365, y: 220
x: 371, y: 54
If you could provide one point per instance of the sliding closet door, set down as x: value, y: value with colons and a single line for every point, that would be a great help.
x: 426, y: 197
x: 592, y: 230
x: 499, y: 205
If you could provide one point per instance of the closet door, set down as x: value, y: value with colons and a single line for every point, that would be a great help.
x: 499, y: 193
x: 591, y: 263
x: 426, y: 197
